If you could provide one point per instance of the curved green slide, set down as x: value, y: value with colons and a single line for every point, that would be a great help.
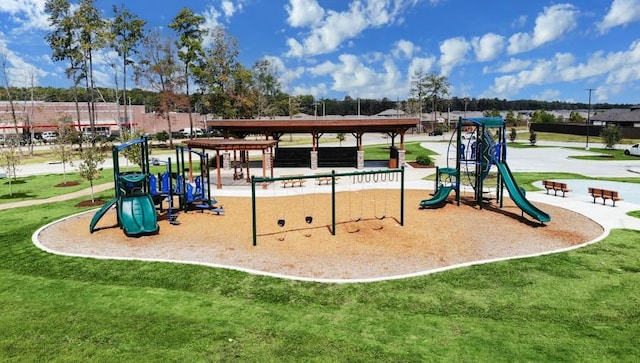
x: 100, y: 213
x: 440, y: 196
x: 137, y: 215
x: 518, y: 196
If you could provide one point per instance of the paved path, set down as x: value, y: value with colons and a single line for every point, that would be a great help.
x: 58, y: 198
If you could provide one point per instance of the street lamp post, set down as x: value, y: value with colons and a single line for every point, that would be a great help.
x: 588, y: 117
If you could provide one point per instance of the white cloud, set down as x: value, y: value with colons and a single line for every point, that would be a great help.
x: 488, y: 46
x: 304, y: 13
x: 28, y: 14
x: 404, y: 48
x: 358, y: 79
x: 620, y: 13
x: 553, y: 23
x: 620, y: 67
x: 317, y: 91
x: 616, y: 68
x: 20, y: 72
x: 519, y: 22
x: 211, y: 16
x: 286, y: 76
x: 334, y: 28
x: 420, y: 65
x: 229, y: 8
x: 453, y: 52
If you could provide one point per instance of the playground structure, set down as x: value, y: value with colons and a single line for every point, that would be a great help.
x: 355, y: 177
x: 477, y: 150
x: 161, y: 188
x: 134, y: 204
x: 138, y: 193
x: 196, y: 196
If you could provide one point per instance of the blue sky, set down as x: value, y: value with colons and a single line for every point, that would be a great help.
x: 544, y: 50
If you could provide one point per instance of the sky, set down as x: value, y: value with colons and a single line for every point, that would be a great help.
x: 506, y: 49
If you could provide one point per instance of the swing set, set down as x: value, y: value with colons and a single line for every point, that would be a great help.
x: 362, y: 177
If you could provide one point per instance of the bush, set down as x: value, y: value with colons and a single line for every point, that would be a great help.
x: 533, y: 137
x: 513, y: 135
x: 423, y: 159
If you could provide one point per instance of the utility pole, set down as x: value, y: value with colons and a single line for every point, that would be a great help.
x: 588, y: 117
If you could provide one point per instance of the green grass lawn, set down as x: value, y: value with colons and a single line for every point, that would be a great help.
x: 548, y: 136
x: 605, y: 154
x: 576, y: 306
x: 44, y: 186
x: 381, y: 151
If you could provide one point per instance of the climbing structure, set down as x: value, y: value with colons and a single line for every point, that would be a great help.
x: 476, y: 146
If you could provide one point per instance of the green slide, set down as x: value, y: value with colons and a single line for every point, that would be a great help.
x: 439, y: 198
x: 518, y: 197
x: 137, y: 215
x: 100, y: 213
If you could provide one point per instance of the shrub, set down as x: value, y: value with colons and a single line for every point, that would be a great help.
x: 513, y: 135
x: 423, y: 159
x: 533, y: 137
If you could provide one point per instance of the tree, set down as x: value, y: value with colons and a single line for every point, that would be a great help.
x: 159, y: 70
x: 341, y: 137
x: 62, y: 146
x: 10, y: 159
x: 126, y: 33
x: 64, y: 43
x: 533, y: 137
x: 187, y: 25
x: 491, y: 113
x: 513, y: 134
x: 510, y: 119
x: 4, y: 77
x: 611, y: 135
x: 266, y: 85
x: 430, y: 86
x: 575, y: 117
x: 89, y: 167
x: 541, y: 116
x: 215, y: 73
x: 133, y: 154
x: 92, y: 29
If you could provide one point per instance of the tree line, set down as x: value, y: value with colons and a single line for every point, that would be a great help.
x: 307, y: 104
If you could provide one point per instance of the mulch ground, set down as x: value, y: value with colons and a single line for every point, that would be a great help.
x: 365, y: 244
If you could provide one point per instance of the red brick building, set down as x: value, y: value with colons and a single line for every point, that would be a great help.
x: 45, y: 116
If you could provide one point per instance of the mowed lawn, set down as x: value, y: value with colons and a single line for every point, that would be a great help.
x: 576, y: 306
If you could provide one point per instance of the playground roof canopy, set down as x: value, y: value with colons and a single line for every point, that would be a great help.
x: 319, y: 125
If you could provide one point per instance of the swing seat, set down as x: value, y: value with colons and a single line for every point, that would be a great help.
x: 308, y: 219
x: 281, y: 222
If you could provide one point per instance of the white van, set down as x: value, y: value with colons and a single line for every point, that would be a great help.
x: 196, y: 132
x: 49, y: 136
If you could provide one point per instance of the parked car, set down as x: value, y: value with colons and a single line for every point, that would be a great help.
x: 49, y: 136
x: 633, y: 150
x: 196, y: 132
x: 435, y: 133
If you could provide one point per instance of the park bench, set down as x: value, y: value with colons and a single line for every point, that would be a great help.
x: 292, y: 181
x: 604, y: 194
x: 556, y: 187
x: 325, y: 179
